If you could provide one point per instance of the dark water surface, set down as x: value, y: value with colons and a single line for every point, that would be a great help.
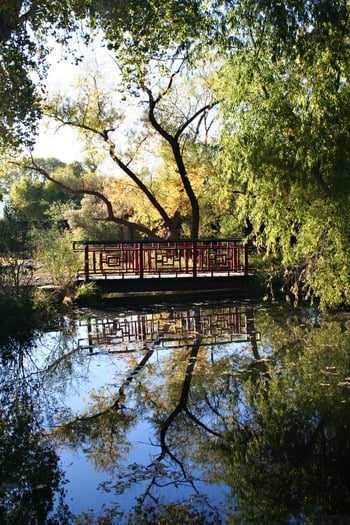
x: 212, y: 413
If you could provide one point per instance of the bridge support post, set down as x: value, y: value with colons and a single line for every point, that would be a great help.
x: 246, y: 268
x: 86, y: 263
x: 141, y: 261
x: 194, y: 258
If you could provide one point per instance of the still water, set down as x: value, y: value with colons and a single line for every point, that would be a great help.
x: 205, y: 413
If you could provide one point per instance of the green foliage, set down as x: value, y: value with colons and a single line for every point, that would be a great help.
x: 173, y: 514
x: 26, y: 27
x: 86, y: 293
x: 20, y: 300
x: 16, y: 278
x: 16, y: 272
x: 80, y: 221
x: 286, y: 141
x: 56, y: 255
x: 160, y: 194
x: 33, y: 198
x: 140, y: 31
x: 20, y: 109
x: 16, y: 317
x: 14, y: 239
x: 284, y: 145
x: 26, y: 457
x: 285, y: 453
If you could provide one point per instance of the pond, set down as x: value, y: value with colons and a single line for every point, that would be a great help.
x: 202, y: 413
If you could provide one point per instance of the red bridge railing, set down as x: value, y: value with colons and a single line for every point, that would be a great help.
x: 143, y: 259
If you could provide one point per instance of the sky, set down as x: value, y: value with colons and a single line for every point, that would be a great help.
x: 62, y: 143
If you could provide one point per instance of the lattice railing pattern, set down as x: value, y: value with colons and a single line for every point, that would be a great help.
x: 163, y: 258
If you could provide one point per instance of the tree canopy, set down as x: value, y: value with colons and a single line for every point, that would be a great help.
x: 285, y: 140
x: 29, y: 29
x: 25, y: 29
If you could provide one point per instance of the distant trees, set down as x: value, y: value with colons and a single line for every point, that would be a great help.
x: 31, y: 199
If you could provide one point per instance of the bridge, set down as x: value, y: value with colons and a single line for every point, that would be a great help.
x: 164, y: 265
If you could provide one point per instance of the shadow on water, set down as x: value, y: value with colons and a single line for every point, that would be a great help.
x: 216, y: 413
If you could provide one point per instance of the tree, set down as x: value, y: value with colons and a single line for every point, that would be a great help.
x: 285, y: 141
x: 166, y: 124
x: 25, y: 27
x: 30, y: 197
x: 285, y: 113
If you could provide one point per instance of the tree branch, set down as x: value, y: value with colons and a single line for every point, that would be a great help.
x: 105, y: 135
x: 201, y: 111
x: 173, y: 141
x: 110, y: 216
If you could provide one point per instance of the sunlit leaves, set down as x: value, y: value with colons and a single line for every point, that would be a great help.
x: 92, y: 107
x: 283, y: 79
x: 25, y: 27
x: 286, y: 141
x: 142, y: 31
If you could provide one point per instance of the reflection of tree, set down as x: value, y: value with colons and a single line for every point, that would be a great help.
x: 102, y: 429
x: 171, y: 467
x: 31, y: 483
x: 36, y: 367
x: 102, y: 433
x: 30, y: 479
x: 289, y: 453
x: 165, y: 427
x: 171, y: 407
x: 268, y: 418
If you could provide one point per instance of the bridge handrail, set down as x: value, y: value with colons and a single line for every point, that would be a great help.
x: 157, y: 257
x: 83, y: 243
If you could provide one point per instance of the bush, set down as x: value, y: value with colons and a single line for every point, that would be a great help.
x: 59, y: 261
x: 87, y: 293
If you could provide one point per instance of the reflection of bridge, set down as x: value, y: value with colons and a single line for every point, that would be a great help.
x: 170, y: 329
x: 177, y: 264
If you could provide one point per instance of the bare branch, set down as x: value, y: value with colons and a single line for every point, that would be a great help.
x: 173, y: 141
x: 201, y: 111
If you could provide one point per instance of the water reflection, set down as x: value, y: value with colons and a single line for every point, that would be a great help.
x: 184, y: 414
x: 169, y: 329
x: 155, y: 386
x: 31, y: 481
x: 290, y: 452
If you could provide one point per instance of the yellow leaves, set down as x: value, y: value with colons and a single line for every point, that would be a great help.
x: 123, y: 195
